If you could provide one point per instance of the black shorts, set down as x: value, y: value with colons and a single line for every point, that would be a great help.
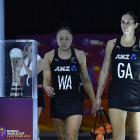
x: 62, y: 110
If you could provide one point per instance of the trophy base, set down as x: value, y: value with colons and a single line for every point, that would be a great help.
x: 16, y: 95
x: 16, y: 91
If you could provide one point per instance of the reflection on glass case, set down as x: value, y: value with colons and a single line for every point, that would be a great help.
x: 18, y: 69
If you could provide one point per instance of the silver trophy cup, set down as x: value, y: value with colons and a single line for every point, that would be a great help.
x: 16, y: 58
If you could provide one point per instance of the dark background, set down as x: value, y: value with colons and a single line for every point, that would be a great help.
x: 29, y: 17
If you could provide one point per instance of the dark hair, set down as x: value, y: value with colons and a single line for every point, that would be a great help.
x: 64, y: 27
x: 135, y: 18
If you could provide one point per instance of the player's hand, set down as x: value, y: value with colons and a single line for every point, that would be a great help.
x: 93, y: 109
x: 98, y: 102
x: 50, y: 91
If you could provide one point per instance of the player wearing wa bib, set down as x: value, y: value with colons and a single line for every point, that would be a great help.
x: 124, y: 90
x: 68, y: 99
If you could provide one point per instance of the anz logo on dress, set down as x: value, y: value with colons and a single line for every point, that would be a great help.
x: 126, y: 57
x: 124, y: 69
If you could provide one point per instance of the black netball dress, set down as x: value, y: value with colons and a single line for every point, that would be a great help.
x: 68, y: 99
x: 124, y: 91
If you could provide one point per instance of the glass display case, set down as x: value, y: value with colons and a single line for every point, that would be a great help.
x: 18, y: 89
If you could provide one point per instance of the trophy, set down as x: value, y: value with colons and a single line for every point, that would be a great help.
x: 16, y: 58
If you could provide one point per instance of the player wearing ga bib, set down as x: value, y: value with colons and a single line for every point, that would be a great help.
x: 124, y: 88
